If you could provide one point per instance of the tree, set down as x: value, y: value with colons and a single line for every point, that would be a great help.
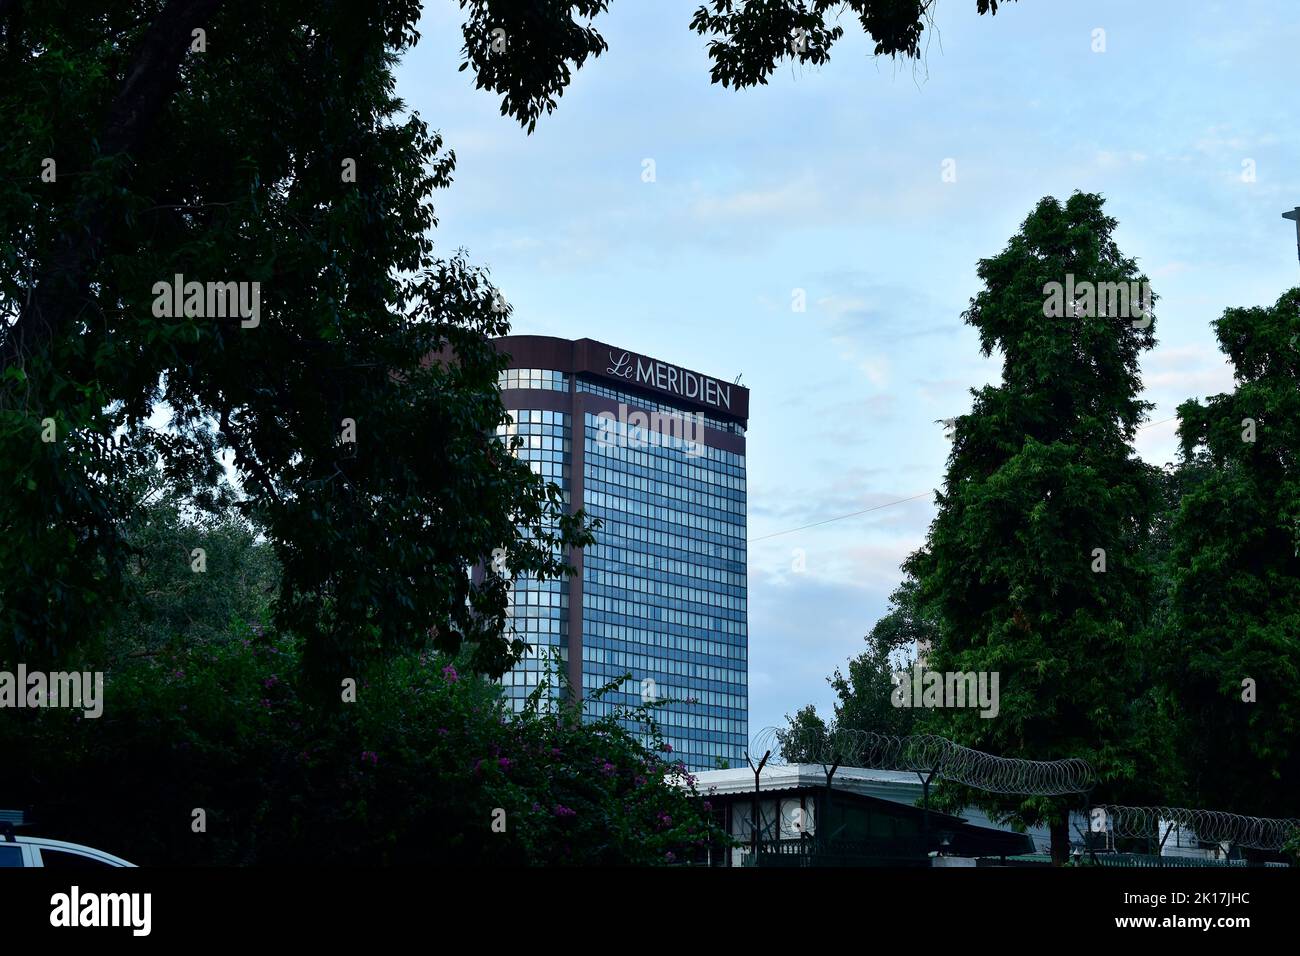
x: 166, y: 602
x: 1234, y: 629
x: 803, y: 740
x: 258, y: 151
x: 1036, y: 565
x: 864, y: 694
x: 752, y: 39
x: 289, y: 170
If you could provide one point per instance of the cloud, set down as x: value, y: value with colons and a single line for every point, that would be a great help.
x: 801, y: 631
x: 794, y: 199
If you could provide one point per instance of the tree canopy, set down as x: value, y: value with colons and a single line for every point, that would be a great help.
x: 1234, y: 629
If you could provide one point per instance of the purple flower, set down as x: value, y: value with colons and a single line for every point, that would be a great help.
x: 609, y: 769
x: 271, y: 681
x: 708, y: 806
x: 562, y: 811
x: 504, y: 763
x: 265, y: 702
x: 667, y: 748
x: 669, y: 857
x: 369, y: 756
x: 449, y: 672
x: 178, y: 674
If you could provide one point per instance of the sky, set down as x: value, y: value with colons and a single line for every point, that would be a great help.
x: 828, y: 185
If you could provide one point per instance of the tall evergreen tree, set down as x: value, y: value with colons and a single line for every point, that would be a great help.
x: 1234, y: 629
x: 1035, y: 565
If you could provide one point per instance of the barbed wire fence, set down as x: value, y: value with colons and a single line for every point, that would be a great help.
x: 1209, y: 826
x: 930, y: 757
x: 929, y: 754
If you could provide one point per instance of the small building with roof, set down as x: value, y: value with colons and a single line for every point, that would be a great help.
x: 862, y: 817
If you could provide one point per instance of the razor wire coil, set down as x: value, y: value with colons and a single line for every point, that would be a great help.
x: 946, y: 760
x: 1208, y: 826
x: 930, y: 754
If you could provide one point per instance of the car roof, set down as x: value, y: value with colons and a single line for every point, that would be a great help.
x: 75, y: 848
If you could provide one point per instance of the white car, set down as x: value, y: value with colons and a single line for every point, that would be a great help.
x: 37, y: 851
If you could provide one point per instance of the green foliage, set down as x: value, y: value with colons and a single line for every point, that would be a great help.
x: 803, y: 739
x: 1041, y: 474
x: 166, y: 601
x: 205, y: 707
x: 227, y: 166
x: 523, y: 51
x: 1138, y: 669
x: 1292, y: 848
x: 412, y: 772
x: 863, y: 695
x: 752, y: 39
x: 1235, y: 573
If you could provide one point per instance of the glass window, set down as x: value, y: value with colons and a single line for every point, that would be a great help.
x: 67, y: 860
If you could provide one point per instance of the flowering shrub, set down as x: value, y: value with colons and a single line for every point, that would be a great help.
x: 426, y: 766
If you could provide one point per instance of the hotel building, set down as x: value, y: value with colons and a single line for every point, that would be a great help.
x: 657, y: 452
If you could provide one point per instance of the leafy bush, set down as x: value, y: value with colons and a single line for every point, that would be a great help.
x: 426, y: 766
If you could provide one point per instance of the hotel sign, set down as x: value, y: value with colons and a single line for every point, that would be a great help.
x: 683, y: 385
x: 670, y: 378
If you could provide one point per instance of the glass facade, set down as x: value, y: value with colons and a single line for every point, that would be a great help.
x: 533, y: 378
x: 663, y: 589
x: 539, y: 609
x: 650, y: 405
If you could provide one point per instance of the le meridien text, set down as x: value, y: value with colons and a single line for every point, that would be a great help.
x: 73, y: 689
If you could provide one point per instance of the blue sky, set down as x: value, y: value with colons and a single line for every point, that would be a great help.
x: 829, y: 180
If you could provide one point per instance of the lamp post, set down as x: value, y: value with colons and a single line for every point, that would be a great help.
x: 1294, y: 216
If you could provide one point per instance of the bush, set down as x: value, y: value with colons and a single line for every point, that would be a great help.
x: 426, y: 766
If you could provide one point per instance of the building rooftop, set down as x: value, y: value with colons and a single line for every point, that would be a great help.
x: 874, y: 783
x: 897, y: 786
